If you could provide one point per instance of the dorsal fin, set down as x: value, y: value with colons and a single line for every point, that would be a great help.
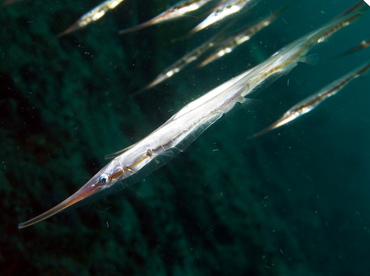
x: 115, y: 154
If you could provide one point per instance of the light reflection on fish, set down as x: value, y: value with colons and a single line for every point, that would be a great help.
x: 314, y: 100
x: 92, y: 16
x: 234, y: 40
x: 187, y: 124
x: 174, y: 12
x: 221, y: 12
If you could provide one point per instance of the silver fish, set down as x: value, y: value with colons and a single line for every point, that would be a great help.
x: 91, y: 16
x: 314, y: 100
x: 183, y: 62
x: 176, y: 11
x: 234, y: 40
x: 224, y: 10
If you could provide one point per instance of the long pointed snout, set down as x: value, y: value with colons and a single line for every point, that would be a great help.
x: 90, y: 188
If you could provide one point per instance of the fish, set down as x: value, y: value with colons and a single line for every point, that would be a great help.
x: 311, y: 102
x: 364, y: 44
x: 130, y: 164
x: 359, y: 6
x: 173, y: 136
x: 224, y: 10
x: 234, y: 40
x: 93, y: 15
x: 284, y: 60
x: 183, y: 62
x: 176, y: 11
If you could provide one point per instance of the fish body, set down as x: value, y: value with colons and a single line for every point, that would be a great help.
x: 359, y: 6
x: 288, y: 57
x: 314, y: 100
x: 224, y: 10
x: 174, y: 135
x: 92, y: 16
x: 182, y: 62
x: 176, y: 11
x: 234, y: 40
x: 364, y: 44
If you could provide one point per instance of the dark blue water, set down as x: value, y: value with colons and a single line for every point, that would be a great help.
x: 292, y: 202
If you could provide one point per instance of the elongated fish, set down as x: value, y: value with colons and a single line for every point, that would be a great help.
x: 182, y: 62
x: 174, y: 12
x: 188, y: 123
x: 92, y: 16
x: 224, y: 10
x: 314, y: 100
x: 359, y: 6
x: 364, y: 44
x: 227, y: 45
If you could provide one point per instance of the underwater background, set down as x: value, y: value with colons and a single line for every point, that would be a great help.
x: 292, y: 202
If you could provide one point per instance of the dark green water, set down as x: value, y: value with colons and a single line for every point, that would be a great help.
x: 292, y: 202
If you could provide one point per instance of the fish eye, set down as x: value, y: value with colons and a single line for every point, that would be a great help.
x: 103, y: 179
